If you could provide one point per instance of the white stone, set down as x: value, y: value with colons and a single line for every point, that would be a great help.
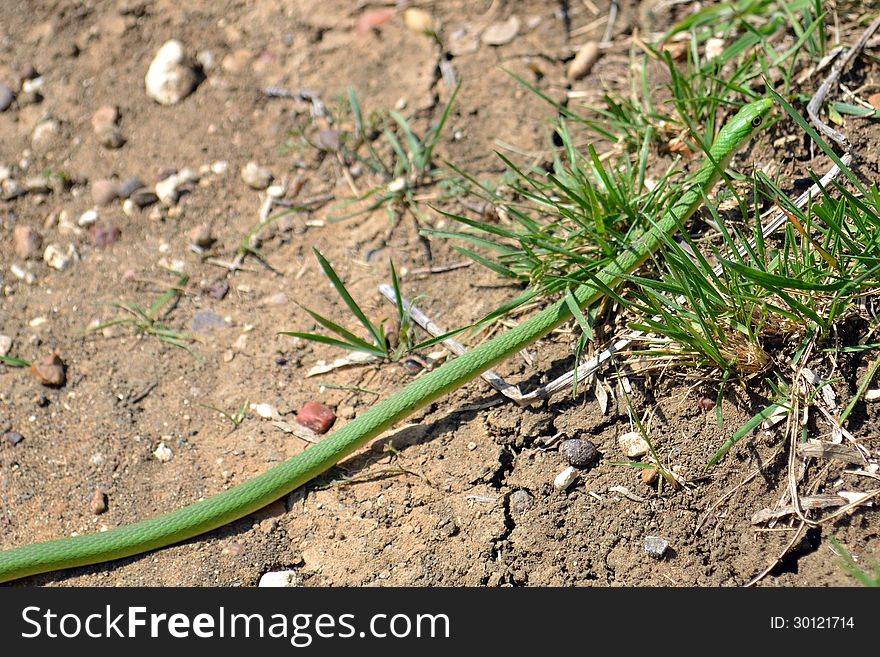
x: 265, y: 410
x: 170, y: 77
x: 5, y: 344
x: 163, y: 453
x: 565, y: 478
x: 633, y: 445
x: 55, y: 257
x: 279, y: 579
x: 87, y: 218
x: 255, y: 176
x: 168, y: 190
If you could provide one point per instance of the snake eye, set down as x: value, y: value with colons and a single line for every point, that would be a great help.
x: 756, y: 121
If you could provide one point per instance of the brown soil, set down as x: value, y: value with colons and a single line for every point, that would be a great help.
x: 436, y: 510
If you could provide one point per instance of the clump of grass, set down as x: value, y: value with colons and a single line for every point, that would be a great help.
x: 402, y: 160
x: 149, y: 321
x: 388, y: 341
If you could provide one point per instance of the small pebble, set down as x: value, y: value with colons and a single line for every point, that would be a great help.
x: 656, y: 546
x: 255, y: 176
x: 28, y: 243
x: 316, y: 416
x: 104, y: 117
x: 46, y: 135
x: 163, y: 453
x: 104, y: 191
x: 583, y: 62
x: 129, y: 186
x: 104, y: 236
x: 98, y: 503
x: 87, y: 218
x: 170, y: 77
x: 50, y: 371
x: 372, y: 19
x: 201, y: 236
x: 501, y: 33
x: 277, y: 299
x: 565, y: 478
x: 327, y: 140
x: 13, y: 437
x: 706, y: 403
x: 418, y: 20
x: 219, y: 167
x: 579, y: 453
x: 218, y: 289
x: 56, y: 258
x: 205, y: 320
x: 265, y: 411
x: 633, y: 445
x: 279, y: 579
x: 520, y: 501
x: 110, y: 137
x: 714, y: 48
x: 6, y: 97
x: 143, y: 197
x: 5, y: 345
x: 168, y: 190
x: 650, y: 476
x: 97, y: 459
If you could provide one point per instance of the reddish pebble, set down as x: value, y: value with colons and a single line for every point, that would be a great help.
x: 98, y: 504
x: 706, y: 404
x: 316, y: 417
x: 50, y: 371
x: 370, y: 20
x: 104, y: 235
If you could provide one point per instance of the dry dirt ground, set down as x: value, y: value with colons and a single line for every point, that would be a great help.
x: 437, y: 509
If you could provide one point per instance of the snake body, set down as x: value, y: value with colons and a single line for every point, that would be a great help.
x: 237, y: 502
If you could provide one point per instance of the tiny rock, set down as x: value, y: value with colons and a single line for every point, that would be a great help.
x: 579, y: 453
x: 28, y: 243
x: 316, y: 416
x: 218, y: 289
x: 13, y: 437
x: 110, y: 137
x: 6, y: 97
x: 129, y: 186
x: 279, y: 579
x: 201, y: 236
x: 104, y: 236
x: 163, y: 453
x: 499, y: 34
x: 650, y: 476
x: 50, y: 371
x: 104, y: 191
x: 168, y: 190
x: 714, y: 48
x: 418, y: 20
x: 143, y: 197
x: 255, y: 176
x: 87, y: 218
x: 565, y: 478
x: 520, y: 501
x: 56, y: 258
x: 656, y: 546
x: 265, y: 411
x: 205, y: 321
x: 583, y: 62
x: 5, y: 344
x: 170, y: 77
x: 633, y: 445
x: 104, y: 117
x: 46, y: 135
x: 98, y: 503
x: 370, y: 20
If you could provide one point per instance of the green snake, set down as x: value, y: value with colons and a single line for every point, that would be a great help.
x: 237, y: 502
